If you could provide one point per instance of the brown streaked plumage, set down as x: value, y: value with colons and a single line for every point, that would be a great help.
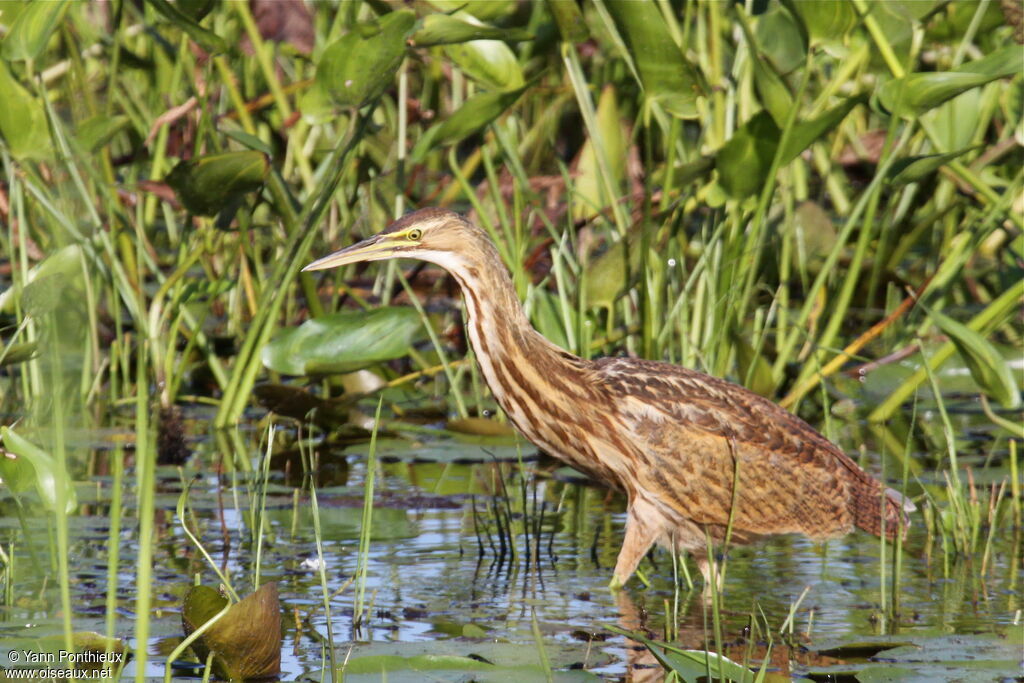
x: 675, y: 441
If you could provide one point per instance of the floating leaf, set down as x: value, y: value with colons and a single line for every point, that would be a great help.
x: 246, y: 642
x: 443, y: 29
x: 34, y: 466
x: 343, y: 342
x: 22, y: 119
x: 360, y: 66
x: 299, y: 404
x: 665, y: 73
x: 27, y: 36
x: 915, y: 168
x: 481, y: 426
x: 924, y: 91
x: 988, y: 367
x: 208, y: 184
x: 382, y: 664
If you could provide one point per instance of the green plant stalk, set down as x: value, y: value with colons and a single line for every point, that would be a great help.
x: 366, y: 522
x: 270, y: 76
x: 878, y: 36
x: 62, y: 479
x: 145, y: 477
x: 158, y: 167
x: 986, y: 321
x: 799, y: 326
x: 827, y: 338
x: 455, y: 390
x: 247, y: 364
x: 191, y: 638
x: 325, y: 592
x: 582, y: 90
x: 261, y: 505
x: 758, y: 222
x: 538, y: 640
x: 114, y: 541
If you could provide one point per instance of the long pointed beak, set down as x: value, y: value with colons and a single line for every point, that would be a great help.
x: 370, y: 249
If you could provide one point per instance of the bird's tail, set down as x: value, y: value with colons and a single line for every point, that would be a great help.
x: 872, y: 501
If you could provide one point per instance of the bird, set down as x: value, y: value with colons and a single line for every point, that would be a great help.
x: 702, y: 461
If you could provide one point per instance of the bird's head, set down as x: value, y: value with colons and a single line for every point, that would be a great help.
x: 436, y: 235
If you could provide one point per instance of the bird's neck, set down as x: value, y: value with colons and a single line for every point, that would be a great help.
x: 518, y: 363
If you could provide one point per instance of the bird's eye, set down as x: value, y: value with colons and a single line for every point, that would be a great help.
x: 414, y: 234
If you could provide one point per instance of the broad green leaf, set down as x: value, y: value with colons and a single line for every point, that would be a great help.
x: 587, y: 194
x: 606, y: 275
x: 915, y: 168
x: 825, y: 21
x: 442, y: 29
x: 22, y: 120
x: 988, y: 367
x: 360, y: 66
x: 665, y: 73
x: 251, y: 141
x: 246, y: 641
x: 32, y: 465
x: 208, y: 184
x: 97, y: 131
x: 745, y: 159
x: 343, y: 342
x: 209, y: 40
x: 924, y: 91
x: 571, y: 24
x: 64, y: 264
x: 18, y: 353
x: 755, y: 372
x: 690, y: 665
x: 773, y: 91
x: 27, y: 36
x: 488, y: 62
x: 780, y: 39
x: 485, y: 10
x: 476, y: 113
x: 806, y: 132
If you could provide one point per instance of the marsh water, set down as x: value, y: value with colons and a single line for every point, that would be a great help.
x: 441, y: 579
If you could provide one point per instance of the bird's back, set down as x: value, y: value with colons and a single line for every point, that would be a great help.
x: 700, y: 434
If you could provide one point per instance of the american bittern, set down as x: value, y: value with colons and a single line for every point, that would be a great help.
x: 696, y: 456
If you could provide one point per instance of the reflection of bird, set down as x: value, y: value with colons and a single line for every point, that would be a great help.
x: 698, y: 458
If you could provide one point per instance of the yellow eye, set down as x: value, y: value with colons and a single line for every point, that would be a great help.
x: 415, y: 234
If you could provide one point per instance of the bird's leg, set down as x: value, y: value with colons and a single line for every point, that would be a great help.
x: 640, y: 536
x: 711, y: 571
